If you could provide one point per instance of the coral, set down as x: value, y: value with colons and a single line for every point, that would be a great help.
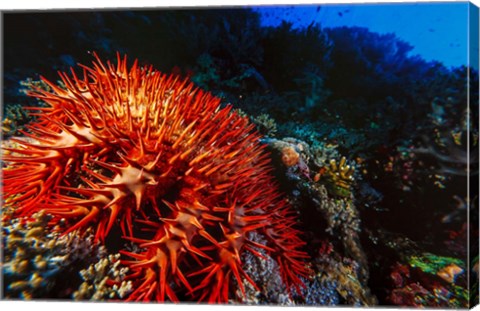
x: 303, y: 49
x: 151, y: 155
x: 14, y: 120
x: 263, y: 122
x: 426, y: 279
x: 344, y: 273
x: 343, y: 268
x: 341, y: 215
x: 206, y: 72
x: 265, y: 125
x: 304, y: 132
x: 452, y: 158
x: 414, y: 286
x: 433, y: 264
x: 323, y: 290
x: 450, y: 272
x: 30, y: 83
x: 452, y: 145
x: 7, y: 126
x: 34, y: 258
x: 15, y: 117
x: 320, y: 288
x: 311, y: 84
x: 343, y: 221
x: 101, y: 279
x: 208, y: 76
x: 290, y: 156
x: 265, y: 272
x: 322, y: 152
x: 338, y: 177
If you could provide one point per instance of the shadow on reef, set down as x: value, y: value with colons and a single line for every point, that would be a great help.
x: 365, y: 139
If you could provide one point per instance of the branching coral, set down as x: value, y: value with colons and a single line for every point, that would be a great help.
x: 14, y: 120
x: 34, y: 257
x: 101, y: 280
x: 266, y: 125
x: 339, y: 177
x: 183, y: 179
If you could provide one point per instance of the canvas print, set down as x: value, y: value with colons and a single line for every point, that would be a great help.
x: 301, y: 155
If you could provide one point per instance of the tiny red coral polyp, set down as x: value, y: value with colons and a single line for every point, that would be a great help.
x: 183, y: 178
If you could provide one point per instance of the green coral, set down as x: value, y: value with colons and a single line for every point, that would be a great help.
x: 431, y: 263
x: 265, y: 125
x: 208, y: 75
x: 29, y: 84
x: 15, y: 118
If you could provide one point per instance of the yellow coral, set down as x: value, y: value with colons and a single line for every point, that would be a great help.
x: 6, y: 125
x: 339, y: 177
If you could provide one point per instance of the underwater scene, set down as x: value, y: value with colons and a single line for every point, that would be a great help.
x: 305, y: 155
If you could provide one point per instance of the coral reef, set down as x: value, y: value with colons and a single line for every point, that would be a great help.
x: 344, y: 273
x: 14, y: 118
x: 449, y: 148
x: 34, y: 257
x: 292, y: 154
x: 143, y: 152
x: 334, y: 281
x: 101, y: 281
x: 414, y: 287
x: 265, y: 272
x: 445, y: 267
x: 314, y: 94
x: 265, y: 125
x: 348, y: 273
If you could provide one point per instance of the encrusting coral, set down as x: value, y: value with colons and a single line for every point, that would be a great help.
x: 181, y: 177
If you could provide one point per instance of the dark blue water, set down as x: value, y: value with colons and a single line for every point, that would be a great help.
x: 437, y: 31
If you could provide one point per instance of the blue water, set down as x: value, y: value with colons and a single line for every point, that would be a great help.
x: 437, y: 31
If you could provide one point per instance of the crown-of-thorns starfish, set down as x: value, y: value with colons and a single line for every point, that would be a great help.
x: 183, y: 178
